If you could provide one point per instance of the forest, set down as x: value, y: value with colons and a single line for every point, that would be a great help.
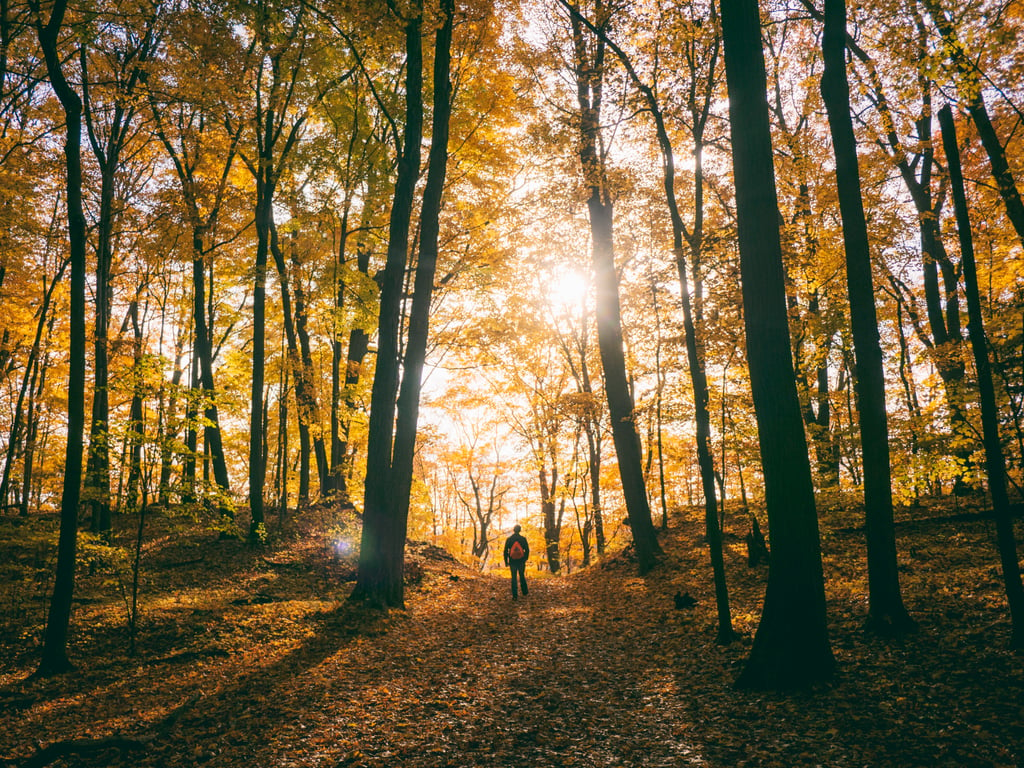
x: 303, y: 305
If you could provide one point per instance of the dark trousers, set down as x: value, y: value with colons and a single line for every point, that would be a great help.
x: 518, y: 567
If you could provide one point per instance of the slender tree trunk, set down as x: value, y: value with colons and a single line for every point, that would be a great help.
x: 136, y: 426
x: 973, y: 96
x: 594, y: 467
x: 282, y: 447
x: 343, y: 386
x: 548, y: 505
x: 660, y: 377
x: 312, y: 401
x: 32, y: 432
x: 589, y: 75
x: 994, y: 461
x: 886, y: 612
x: 257, y: 459
x: 592, y: 427
x: 943, y: 321
x: 358, y: 347
x: 54, y: 653
x: 304, y: 406
x: 31, y: 367
x: 188, y: 469
x: 620, y: 400
x: 97, y: 481
x: 694, y: 356
x: 202, y: 375
x: 791, y: 647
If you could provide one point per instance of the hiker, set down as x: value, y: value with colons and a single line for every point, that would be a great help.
x: 517, y: 551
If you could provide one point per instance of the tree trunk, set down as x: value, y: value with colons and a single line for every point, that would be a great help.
x: 589, y: 76
x: 304, y: 399
x: 136, y: 427
x: 305, y: 361
x: 379, y: 581
x: 594, y: 467
x: 791, y: 647
x: 343, y: 400
x: 552, y: 531
x: 97, y: 479
x: 32, y: 432
x: 886, y: 612
x: 426, y: 268
x: 257, y: 459
x: 31, y: 367
x: 202, y: 366
x: 694, y: 355
x: 994, y: 461
x: 620, y: 400
x: 54, y: 653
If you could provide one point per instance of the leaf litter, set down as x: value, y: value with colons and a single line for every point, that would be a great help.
x: 253, y: 658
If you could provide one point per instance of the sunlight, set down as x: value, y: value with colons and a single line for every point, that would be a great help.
x: 568, y: 291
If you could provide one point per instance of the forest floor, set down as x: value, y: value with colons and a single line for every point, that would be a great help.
x: 251, y: 657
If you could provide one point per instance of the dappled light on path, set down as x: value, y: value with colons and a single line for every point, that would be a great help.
x: 267, y: 666
x: 491, y: 682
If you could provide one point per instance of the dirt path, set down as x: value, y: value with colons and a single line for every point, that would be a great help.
x: 466, y: 677
x: 263, y: 664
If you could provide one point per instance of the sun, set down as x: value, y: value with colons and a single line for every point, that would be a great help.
x: 568, y: 292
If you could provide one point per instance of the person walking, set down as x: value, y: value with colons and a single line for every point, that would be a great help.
x: 517, y: 552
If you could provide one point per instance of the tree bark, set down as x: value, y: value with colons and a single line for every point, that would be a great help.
x: 379, y: 581
x: 423, y: 286
x: 791, y: 646
x: 257, y: 459
x: 54, y: 653
x: 694, y: 356
x: 589, y: 75
x: 995, y: 463
x: 202, y: 365
x: 886, y: 612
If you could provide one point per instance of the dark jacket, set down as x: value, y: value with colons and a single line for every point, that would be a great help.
x: 522, y: 542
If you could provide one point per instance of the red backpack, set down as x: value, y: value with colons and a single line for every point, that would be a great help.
x: 516, y: 551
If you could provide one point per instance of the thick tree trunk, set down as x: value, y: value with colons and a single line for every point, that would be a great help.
x: 995, y: 463
x: 791, y: 647
x: 886, y: 612
x: 423, y: 285
x: 380, y: 576
x: 54, y: 653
